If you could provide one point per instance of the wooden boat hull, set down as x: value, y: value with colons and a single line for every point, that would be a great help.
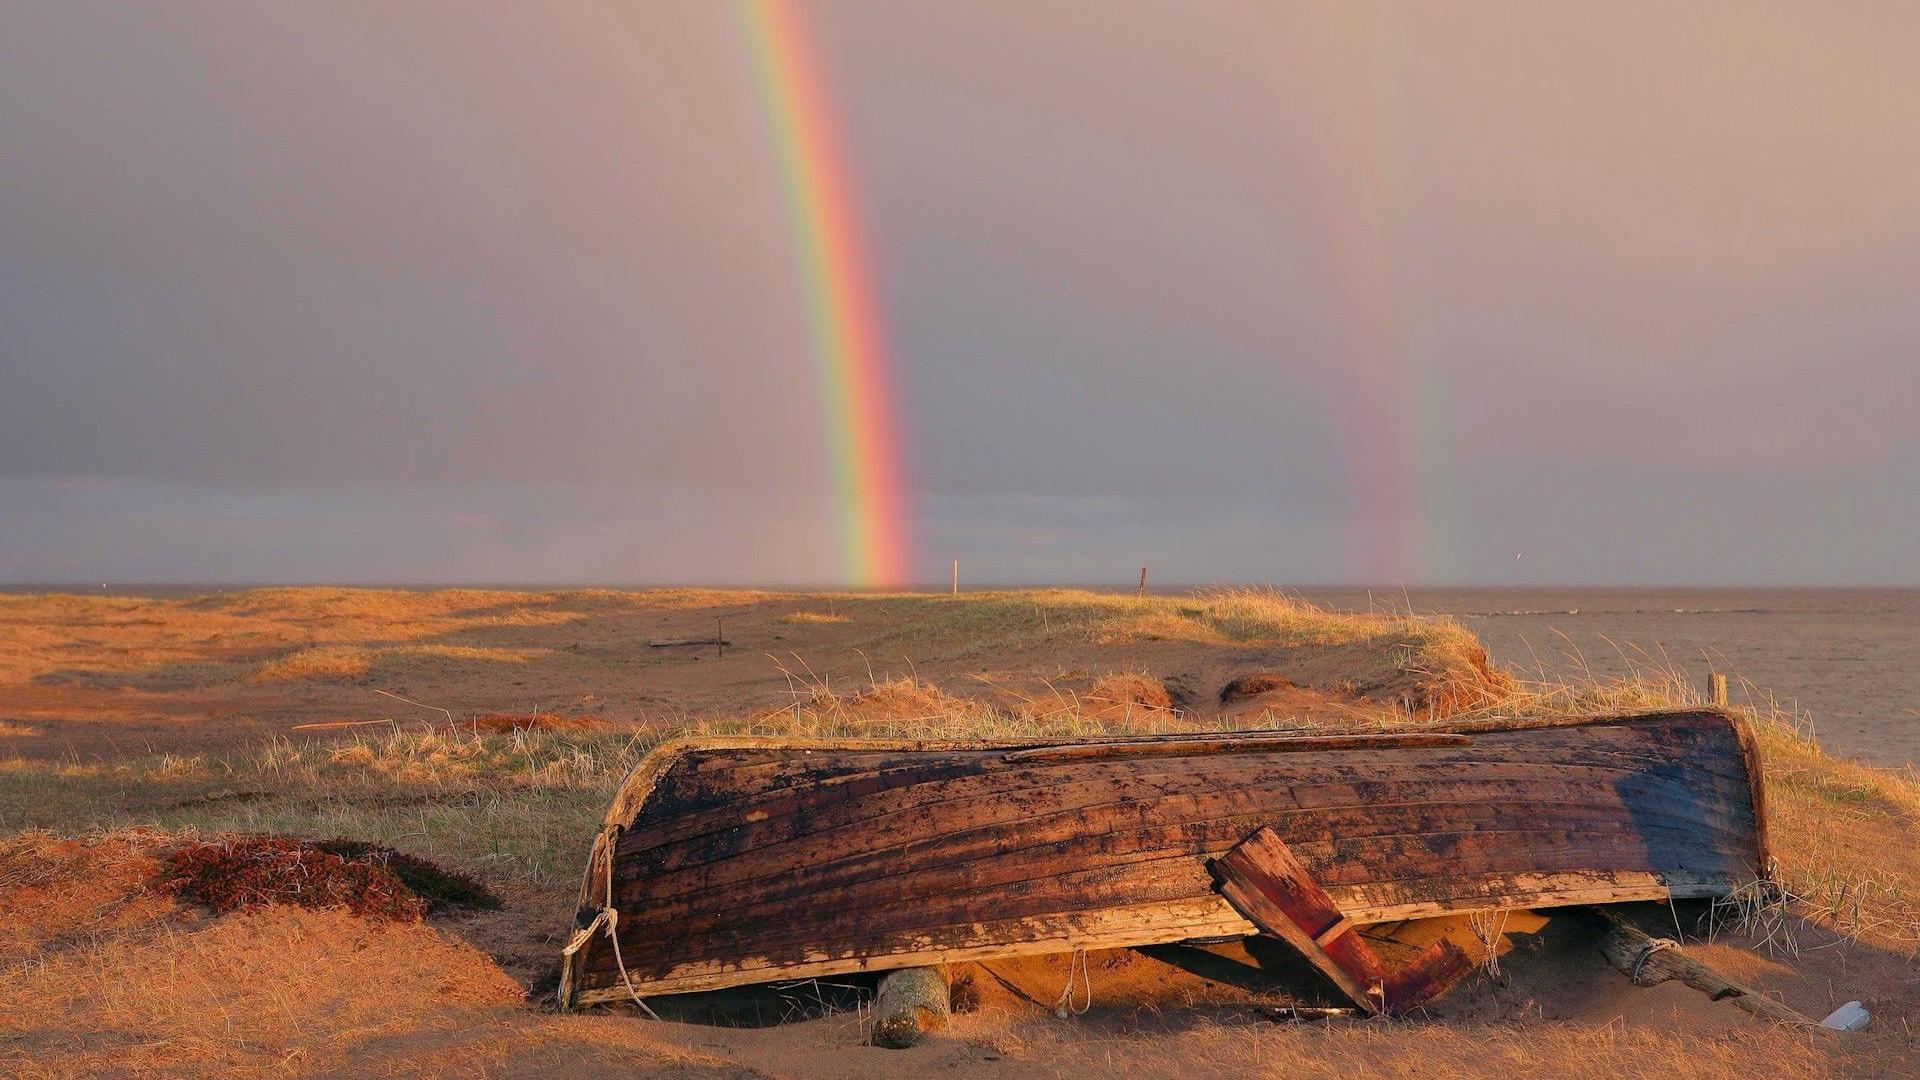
x: 746, y: 860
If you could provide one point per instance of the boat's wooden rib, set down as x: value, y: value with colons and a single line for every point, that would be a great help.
x: 732, y: 861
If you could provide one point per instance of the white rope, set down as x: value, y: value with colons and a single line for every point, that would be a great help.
x: 1490, y: 928
x: 1653, y: 945
x: 1065, y: 1007
x: 613, y: 924
x: 612, y: 916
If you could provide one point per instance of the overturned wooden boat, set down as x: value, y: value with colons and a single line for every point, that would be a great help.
x: 729, y: 861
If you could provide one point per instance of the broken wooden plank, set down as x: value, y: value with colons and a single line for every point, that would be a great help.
x: 1649, y: 961
x: 1265, y: 882
x: 1429, y: 975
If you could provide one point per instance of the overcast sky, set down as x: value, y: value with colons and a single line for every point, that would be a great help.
x: 1426, y: 293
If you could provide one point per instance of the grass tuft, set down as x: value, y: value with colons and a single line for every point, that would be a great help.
x: 334, y: 662
x: 803, y: 618
x: 320, y: 663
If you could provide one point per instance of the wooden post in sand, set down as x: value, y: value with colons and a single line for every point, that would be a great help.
x: 1717, y: 689
x: 909, y: 1003
x: 956, y: 577
x: 1143, y: 581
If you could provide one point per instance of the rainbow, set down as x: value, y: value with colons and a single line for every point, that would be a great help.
x: 848, y: 337
x: 1389, y: 400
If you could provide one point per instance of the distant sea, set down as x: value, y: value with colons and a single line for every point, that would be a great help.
x: 1848, y: 658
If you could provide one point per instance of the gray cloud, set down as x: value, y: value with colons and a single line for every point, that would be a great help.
x: 473, y: 291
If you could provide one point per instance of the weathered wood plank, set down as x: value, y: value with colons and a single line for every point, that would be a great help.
x: 956, y: 825
x: 820, y: 831
x: 1128, y: 859
x: 1152, y: 924
x: 859, y: 934
x: 1114, y: 928
x: 889, y: 881
x: 849, y: 799
x: 1603, y: 748
x: 1274, y: 890
x: 739, y: 860
x: 1267, y: 885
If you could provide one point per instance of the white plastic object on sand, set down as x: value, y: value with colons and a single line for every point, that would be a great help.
x: 1849, y: 1017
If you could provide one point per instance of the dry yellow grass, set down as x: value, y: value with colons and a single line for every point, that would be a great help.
x: 1127, y: 692
x: 46, y: 633
x: 59, y: 889
x: 907, y: 708
x: 803, y: 618
x: 321, y: 663
x: 335, y: 662
x: 1342, y: 1051
x: 256, y: 992
x: 1214, y: 616
x: 56, y: 650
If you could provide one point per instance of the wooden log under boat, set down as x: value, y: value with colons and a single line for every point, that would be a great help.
x: 730, y: 861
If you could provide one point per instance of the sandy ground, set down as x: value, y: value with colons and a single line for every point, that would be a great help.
x: 123, y: 985
x: 99, y: 976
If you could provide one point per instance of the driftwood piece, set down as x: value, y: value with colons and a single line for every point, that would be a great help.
x: 1265, y: 882
x: 668, y: 642
x: 910, y: 1002
x: 1649, y: 961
